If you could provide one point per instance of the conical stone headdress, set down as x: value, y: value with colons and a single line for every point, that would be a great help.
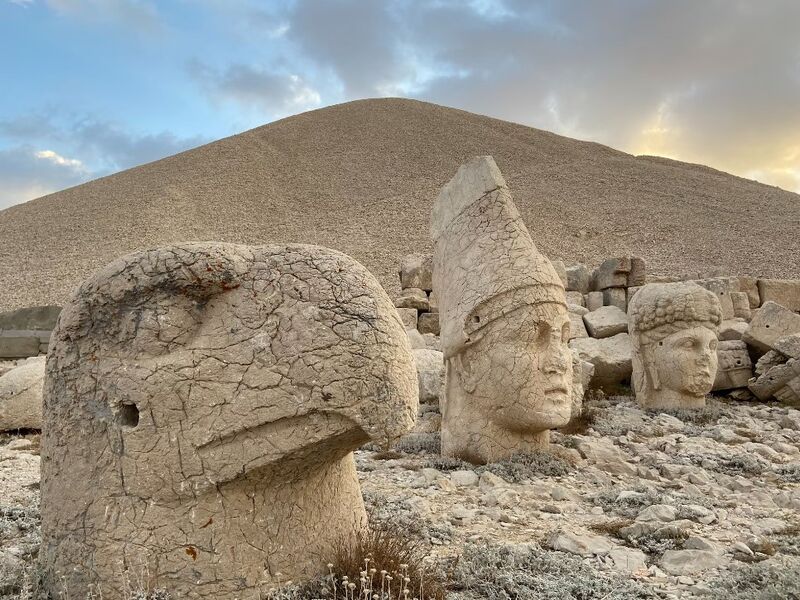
x: 485, y: 263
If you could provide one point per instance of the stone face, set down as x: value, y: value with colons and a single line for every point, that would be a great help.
x: 673, y: 329
x: 413, y: 298
x: 613, y: 272
x: 21, y: 396
x: 606, y: 322
x: 734, y: 368
x: 769, y: 324
x: 579, y: 279
x: 504, y: 322
x: 741, y: 305
x: 616, y: 296
x: 785, y: 292
x: 408, y: 316
x: 416, y: 271
x: 430, y: 374
x: 611, y: 358
x: 202, y: 402
x: 428, y: 323
x: 594, y: 300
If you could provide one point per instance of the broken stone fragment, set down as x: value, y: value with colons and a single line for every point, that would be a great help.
x: 781, y: 381
x: 408, y: 316
x: 413, y: 298
x: 611, y: 358
x: 21, y: 396
x: 416, y: 271
x: 769, y: 324
x: 741, y: 305
x: 785, y: 292
x: 734, y: 368
x: 429, y: 323
x: 613, y: 272
x: 616, y: 296
x: 606, y: 322
x: 579, y: 279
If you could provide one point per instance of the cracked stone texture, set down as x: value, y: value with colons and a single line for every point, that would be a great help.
x: 21, y: 396
x: 673, y: 329
x: 504, y: 322
x: 202, y: 403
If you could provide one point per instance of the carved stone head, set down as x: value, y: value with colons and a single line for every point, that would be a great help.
x: 673, y: 328
x: 504, y: 322
x: 202, y: 404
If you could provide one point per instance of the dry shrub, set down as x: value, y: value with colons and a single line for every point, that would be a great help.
x: 611, y: 527
x: 581, y: 424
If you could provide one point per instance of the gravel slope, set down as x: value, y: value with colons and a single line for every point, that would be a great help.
x: 361, y: 177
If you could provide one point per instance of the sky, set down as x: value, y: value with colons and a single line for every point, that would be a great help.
x: 91, y: 87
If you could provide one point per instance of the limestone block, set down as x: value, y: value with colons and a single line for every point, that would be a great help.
x: 785, y: 292
x: 561, y: 271
x: 21, y: 396
x: 735, y: 367
x: 605, y: 322
x: 611, y: 358
x: 637, y: 276
x: 689, y: 562
x: 769, y: 324
x: 416, y: 340
x: 430, y: 374
x: 579, y: 279
x: 741, y: 305
x: 575, y: 298
x: 613, y: 272
x: 778, y: 382
x: 594, y: 300
x: 673, y: 329
x: 416, y: 271
x: 732, y: 330
x: 408, y: 316
x: 789, y: 346
x: 433, y: 301
x: 202, y: 402
x: 577, y: 329
x: 504, y: 322
x: 429, y: 323
x: 616, y: 297
x: 723, y: 287
x: 770, y: 359
x: 749, y: 285
x: 41, y: 318
x: 15, y: 346
x: 413, y: 298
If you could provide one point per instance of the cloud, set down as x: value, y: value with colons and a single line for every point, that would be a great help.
x: 27, y: 173
x: 274, y: 92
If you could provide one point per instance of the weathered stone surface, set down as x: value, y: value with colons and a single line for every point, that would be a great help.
x: 613, y: 272
x: 732, y: 330
x: 413, y: 298
x: 734, y: 368
x: 769, y: 324
x: 628, y: 560
x: 749, y: 285
x: 504, y: 322
x: 21, y: 396
x: 611, y: 358
x: 602, y: 453
x: 789, y: 346
x: 561, y: 271
x: 722, y: 287
x: 416, y: 271
x: 429, y: 323
x: 673, y: 329
x: 433, y: 302
x: 594, y: 300
x: 408, y: 316
x: 430, y: 374
x: 577, y: 328
x: 16, y: 346
x: 616, y: 297
x: 630, y: 293
x: 579, y: 279
x: 582, y: 544
x: 605, y: 322
x: 773, y: 358
x: 741, y: 305
x: 576, y: 298
x: 781, y: 381
x: 689, y: 562
x: 202, y: 402
x: 416, y: 340
x: 637, y: 276
x: 41, y: 318
x: 785, y: 292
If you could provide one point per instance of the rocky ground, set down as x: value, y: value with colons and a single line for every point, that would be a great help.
x: 629, y: 504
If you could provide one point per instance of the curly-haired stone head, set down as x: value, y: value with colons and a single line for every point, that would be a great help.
x: 673, y: 328
x: 504, y: 322
x: 202, y: 404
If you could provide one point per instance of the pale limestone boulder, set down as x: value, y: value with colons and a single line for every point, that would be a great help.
x: 430, y: 374
x: 785, y: 292
x: 723, y: 288
x: 769, y: 324
x: 561, y: 271
x: 429, y: 323
x: 612, y: 272
x: 630, y: 293
x: 504, y: 322
x: 594, y: 300
x: 789, y: 346
x: 690, y: 562
x: 579, y: 279
x: 416, y: 340
x: 21, y: 396
x: 582, y: 544
x: 732, y: 329
x: 637, y: 276
x: 749, y: 285
x: 202, y: 403
x: 741, y: 305
x: 416, y: 271
x: 577, y: 328
x: 617, y: 296
x: 734, y: 368
x: 781, y: 381
x: 413, y: 298
x: 409, y: 317
x: 575, y: 298
x: 673, y: 328
x: 611, y: 358
x: 607, y: 457
x: 606, y: 322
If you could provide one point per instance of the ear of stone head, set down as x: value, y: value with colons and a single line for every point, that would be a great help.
x: 188, y: 366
